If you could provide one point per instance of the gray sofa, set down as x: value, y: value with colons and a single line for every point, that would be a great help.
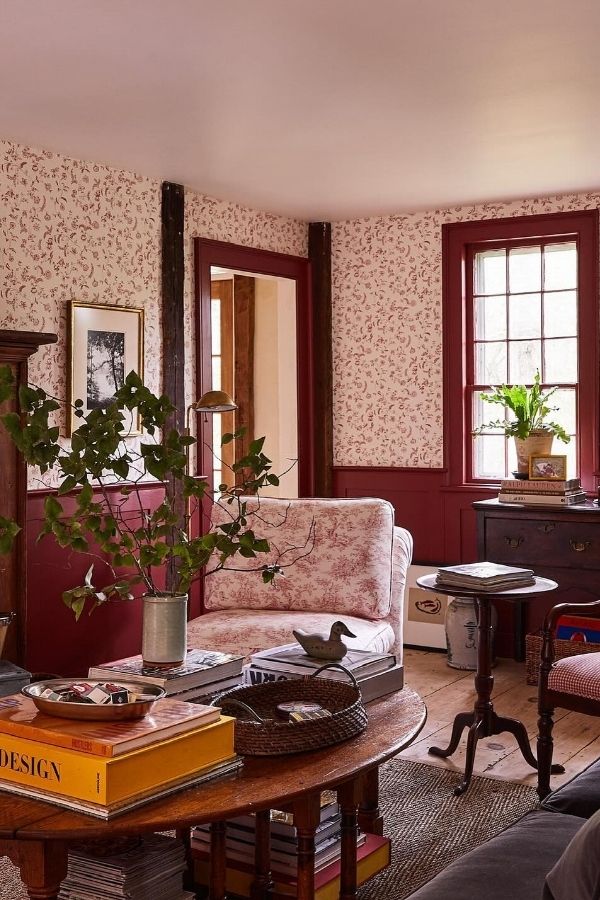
x: 514, y: 864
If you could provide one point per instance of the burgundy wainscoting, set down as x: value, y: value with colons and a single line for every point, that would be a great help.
x: 440, y: 518
x: 56, y: 643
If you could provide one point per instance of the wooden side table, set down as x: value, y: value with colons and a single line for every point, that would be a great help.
x: 483, y: 721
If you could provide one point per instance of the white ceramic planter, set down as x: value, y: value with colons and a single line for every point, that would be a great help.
x: 461, y: 633
x: 164, y: 630
x: 539, y: 443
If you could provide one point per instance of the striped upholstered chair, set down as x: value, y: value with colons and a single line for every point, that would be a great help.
x: 571, y: 683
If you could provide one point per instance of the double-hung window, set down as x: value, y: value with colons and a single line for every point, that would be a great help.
x: 520, y: 297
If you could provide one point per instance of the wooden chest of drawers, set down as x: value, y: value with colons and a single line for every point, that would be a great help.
x: 562, y: 544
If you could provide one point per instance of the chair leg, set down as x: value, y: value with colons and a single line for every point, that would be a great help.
x: 545, y: 746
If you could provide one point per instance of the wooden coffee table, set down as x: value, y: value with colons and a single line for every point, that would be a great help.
x: 36, y: 836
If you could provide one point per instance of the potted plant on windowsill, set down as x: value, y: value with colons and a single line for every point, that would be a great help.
x: 532, y: 432
x: 103, y: 472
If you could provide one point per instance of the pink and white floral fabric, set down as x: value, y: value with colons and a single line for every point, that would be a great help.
x: 578, y: 675
x: 245, y: 631
x: 336, y: 554
x: 316, y: 589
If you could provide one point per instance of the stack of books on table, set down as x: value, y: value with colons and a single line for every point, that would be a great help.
x: 372, y: 852
x: 377, y: 673
x: 484, y: 576
x: 203, y: 675
x: 107, y: 768
x: 534, y: 492
x: 132, y: 869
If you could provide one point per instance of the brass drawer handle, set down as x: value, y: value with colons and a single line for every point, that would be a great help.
x: 546, y: 528
x: 514, y: 542
x: 579, y: 546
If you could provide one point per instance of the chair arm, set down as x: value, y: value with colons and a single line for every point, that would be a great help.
x: 552, y: 617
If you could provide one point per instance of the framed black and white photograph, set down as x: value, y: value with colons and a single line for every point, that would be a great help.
x: 105, y: 344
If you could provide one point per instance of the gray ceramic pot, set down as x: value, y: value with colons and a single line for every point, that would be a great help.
x: 164, y: 629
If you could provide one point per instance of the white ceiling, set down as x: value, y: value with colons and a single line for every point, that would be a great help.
x: 320, y: 109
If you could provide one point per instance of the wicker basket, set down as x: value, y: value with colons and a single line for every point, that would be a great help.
x: 258, y: 732
x: 562, y: 648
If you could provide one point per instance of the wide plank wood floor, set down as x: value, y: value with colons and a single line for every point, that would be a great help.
x: 447, y: 691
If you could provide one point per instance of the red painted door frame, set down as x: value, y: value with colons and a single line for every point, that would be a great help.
x: 208, y: 253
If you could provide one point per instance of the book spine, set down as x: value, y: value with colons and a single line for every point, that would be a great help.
x: 553, y: 487
x: 541, y: 499
x: 105, y: 781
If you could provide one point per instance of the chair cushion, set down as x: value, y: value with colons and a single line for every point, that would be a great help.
x: 245, y: 631
x: 337, y: 556
x: 576, y: 875
x: 579, y: 675
x: 511, y: 866
x: 578, y: 797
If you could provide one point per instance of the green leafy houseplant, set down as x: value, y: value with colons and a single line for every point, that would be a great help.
x: 529, y: 406
x: 102, y: 524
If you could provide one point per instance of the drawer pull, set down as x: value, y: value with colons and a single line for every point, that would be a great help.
x: 579, y: 546
x: 546, y: 528
x: 514, y: 542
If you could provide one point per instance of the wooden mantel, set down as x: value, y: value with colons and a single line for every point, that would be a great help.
x: 15, y: 349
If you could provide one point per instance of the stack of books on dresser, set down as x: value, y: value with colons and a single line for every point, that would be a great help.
x: 377, y: 674
x: 108, y: 768
x: 484, y: 576
x: 203, y: 674
x: 537, y: 492
x: 132, y: 869
x: 372, y: 852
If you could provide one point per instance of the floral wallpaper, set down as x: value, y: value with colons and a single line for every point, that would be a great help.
x: 79, y: 230
x: 387, y: 330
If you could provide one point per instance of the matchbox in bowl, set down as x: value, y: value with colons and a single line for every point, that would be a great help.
x: 127, y: 700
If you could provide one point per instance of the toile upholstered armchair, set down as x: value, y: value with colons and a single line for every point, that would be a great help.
x: 341, y: 559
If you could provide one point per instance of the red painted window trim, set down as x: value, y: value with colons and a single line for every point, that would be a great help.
x: 456, y: 239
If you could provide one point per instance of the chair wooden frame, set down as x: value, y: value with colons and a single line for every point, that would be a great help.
x: 548, y: 700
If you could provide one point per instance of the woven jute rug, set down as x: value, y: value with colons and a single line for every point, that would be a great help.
x: 430, y: 827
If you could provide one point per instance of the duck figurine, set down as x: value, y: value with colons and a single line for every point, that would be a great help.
x: 317, y: 645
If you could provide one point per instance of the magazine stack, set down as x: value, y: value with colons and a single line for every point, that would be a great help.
x: 484, y: 576
x: 133, y: 869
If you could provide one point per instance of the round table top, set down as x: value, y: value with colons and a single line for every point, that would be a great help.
x: 267, y: 782
x: 541, y: 586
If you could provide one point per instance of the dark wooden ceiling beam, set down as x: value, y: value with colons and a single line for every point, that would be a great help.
x: 173, y: 316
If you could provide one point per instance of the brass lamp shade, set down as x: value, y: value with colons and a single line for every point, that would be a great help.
x: 214, y: 402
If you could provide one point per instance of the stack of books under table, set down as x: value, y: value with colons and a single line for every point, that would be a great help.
x: 484, y: 576
x: 377, y: 673
x: 373, y: 852
x: 203, y: 675
x: 107, y: 768
x: 132, y: 869
x: 537, y: 492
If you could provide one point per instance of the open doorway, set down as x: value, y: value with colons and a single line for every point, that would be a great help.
x: 253, y: 339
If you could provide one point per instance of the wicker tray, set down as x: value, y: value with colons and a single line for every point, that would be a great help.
x: 258, y: 732
x: 562, y: 648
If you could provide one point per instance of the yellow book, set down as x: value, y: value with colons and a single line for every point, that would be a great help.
x: 372, y: 857
x: 110, y: 780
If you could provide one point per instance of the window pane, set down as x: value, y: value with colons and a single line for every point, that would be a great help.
x: 512, y: 457
x: 486, y: 412
x: 488, y: 456
x: 490, y: 318
x: 490, y: 363
x: 216, y: 373
x: 525, y: 359
x: 490, y: 272
x: 570, y: 451
x: 216, y: 434
x: 525, y: 316
x: 560, y: 360
x: 524, y: 269
x: 215, y: 327
x: 565, y: 401
x: 560, y: 266
x: 560, y: 314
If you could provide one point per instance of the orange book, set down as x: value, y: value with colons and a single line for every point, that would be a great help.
x: 20, y: 717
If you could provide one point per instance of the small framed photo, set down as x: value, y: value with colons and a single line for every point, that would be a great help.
x: 105, y: 344
x: 548, y: 468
